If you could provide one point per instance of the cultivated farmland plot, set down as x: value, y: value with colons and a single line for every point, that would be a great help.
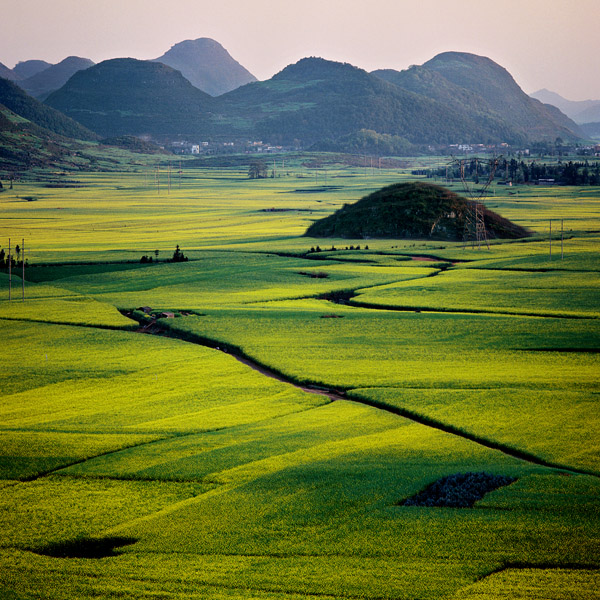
x: 146, y: 466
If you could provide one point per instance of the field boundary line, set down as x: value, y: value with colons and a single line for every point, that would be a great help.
x: 465, y: 311
x: 447, y: 428
x: 354, y: 394
x: 83, y: 460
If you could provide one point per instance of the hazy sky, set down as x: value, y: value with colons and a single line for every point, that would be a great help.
x: 544, y: 43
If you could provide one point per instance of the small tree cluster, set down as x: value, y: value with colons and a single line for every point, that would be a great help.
x: 257, y: 169
x: 15, y: 261
x: 178, y: 255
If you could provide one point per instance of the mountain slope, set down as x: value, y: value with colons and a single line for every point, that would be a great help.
x: 29, y: 68
x: 124, y: 96
x: 54, y: 77
x: 24, y: 144
x: 496, y: 86
x: 317, y: 99
x: 409, y: 210
x: 431, y: 84
x: 15, y: 99
x: 207, y: 65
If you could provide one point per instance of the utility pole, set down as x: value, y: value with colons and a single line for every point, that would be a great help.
x: 23, y: 269
x: 9, y: 271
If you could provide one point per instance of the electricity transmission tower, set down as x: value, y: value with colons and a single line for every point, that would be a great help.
x: 474, y: 230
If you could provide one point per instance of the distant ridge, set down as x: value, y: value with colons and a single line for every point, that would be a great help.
x: 29, y: 68
x: 207, y: 65
x: 409, y: 211
x: 7, y: 73
x: 581, y: 111
x: 44, y: 82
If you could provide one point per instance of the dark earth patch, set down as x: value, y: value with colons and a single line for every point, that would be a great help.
x: 460, y: 490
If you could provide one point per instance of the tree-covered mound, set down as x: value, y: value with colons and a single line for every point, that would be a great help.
x: 410, y: 210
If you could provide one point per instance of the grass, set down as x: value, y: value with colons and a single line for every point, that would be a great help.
x: 228, y: 484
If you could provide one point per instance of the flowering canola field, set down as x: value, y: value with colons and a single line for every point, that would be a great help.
x: 160, y: 466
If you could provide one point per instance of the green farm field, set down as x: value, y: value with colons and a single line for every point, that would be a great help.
x: 260, y: 443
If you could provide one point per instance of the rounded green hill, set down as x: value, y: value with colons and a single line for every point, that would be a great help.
x: 410, y: 210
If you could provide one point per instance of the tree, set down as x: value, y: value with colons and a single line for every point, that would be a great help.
x: 178, y: 255
x: 257, y: 169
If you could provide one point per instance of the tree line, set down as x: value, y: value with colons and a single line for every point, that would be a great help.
x: 519, y: 171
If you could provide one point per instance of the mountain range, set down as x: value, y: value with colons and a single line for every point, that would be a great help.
x: 203, y: 62
x: 33, y: 134
x: 453, y: 98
